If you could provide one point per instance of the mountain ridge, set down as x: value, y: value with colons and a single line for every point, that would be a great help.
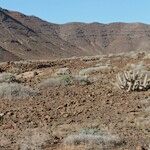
x: 29, y: 37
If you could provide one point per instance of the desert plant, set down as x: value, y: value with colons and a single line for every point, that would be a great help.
x: 65, y: 80
x: 63, y: 71
x: 133, y: 81
x: 62, y: 80
x: 92, y: 58
x: 91, y: 70
x: 137, y: 67
x: 92, y: 137
x: 81, y: 80
x: 147, y: 56
x: 7, y: 77
x: 33, y: 139
x: 15, y: 90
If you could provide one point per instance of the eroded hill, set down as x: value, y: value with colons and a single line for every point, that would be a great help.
x: 29, y: 37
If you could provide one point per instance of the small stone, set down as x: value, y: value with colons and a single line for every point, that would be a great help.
x: 35, y: 73
x: 140, y: 148
x: 65, y: 115
x: 2, y: 114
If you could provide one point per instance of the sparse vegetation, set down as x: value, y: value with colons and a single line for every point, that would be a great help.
x: 90, y: 137
x: 65, y: 80
x: 81, y: 80
x: 147, y: 56
x: 33, y: 139
x: 15, y: 90
x: 91, y: 70
x: 137, y: 67
x: 92, y: 58
x: 133, y: 81
x: 7, y: 77
x: 75, y: 112
x: 63, y: 71
x: 62, y: 77
x: 57, y: 81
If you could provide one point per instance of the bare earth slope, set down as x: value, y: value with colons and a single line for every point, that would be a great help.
x: 29, y: 37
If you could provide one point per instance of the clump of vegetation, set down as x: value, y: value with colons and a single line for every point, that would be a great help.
x: 147, y: 56
x: 81, y: 80
x: 91, y: 70
x: 57, y: 81
x: 133, y: 81
x: 33, y: 139
x: 63, y: 71
x: 92, y: 58
x: 64, y: 77
x: 7, y: 77
x: 65, y: 80
x: 92, y: 137
x: 16, y: 91
x: 138, y: 67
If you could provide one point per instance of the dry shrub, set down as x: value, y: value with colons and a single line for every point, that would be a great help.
x: 93, y: 139
x: 56, y: 81
x: 63, y: 71
x: 137, y: 67
x: 68, y: 147
x: 147, y: 56
x: 16, y: 91
x: 91, y: 70
x: 33, y: 139
x: 64, y: 80
x: 7, y: 77
x: 90, y: 139
x: 64, y: 77
x: 85, y: 136
x: 92, y: 58
x: 146, y: 100
x: 143, y: 122
x: 81, y: 80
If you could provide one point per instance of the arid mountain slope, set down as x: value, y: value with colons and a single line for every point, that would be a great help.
x: 7, y: 56
x: 29, y: 37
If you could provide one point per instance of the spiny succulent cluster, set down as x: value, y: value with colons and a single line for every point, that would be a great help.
x: 133, y: 81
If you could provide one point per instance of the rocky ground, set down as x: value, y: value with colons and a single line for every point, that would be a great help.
x: 76, y: 108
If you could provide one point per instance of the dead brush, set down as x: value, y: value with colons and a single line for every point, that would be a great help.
x: 133, y: 81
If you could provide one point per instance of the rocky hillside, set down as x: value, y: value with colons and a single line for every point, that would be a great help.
x: 74, y: 104
x: 28, y: 37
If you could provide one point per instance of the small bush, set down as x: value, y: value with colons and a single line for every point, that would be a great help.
x: 89, y: 138
x: 92, y: 138
x: 63, y: 71
x: 91, y: 70
x: 138, y: 67
x: 65, y: 80
x: 81, y: 80
x: 147, y: 56
x: 57, y: 81
x: 7, y: 77
x: 33, y: 139
x: 15, y: 90
x: 92, y: 58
